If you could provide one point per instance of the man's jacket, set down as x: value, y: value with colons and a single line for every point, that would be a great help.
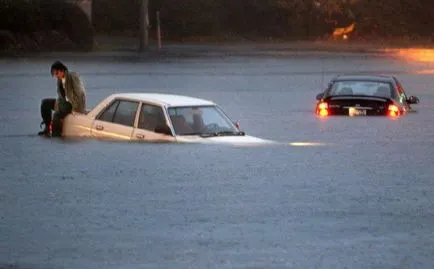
x: 73, y: 92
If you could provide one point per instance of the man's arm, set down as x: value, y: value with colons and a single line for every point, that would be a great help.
x: 78, y: 94
x: 60, y: 95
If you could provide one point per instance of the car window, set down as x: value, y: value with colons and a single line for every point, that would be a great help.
x: 126, y: 113
x: 213, y: 116
x: 367, y: 88
x: 151, y: 117
x: 200, y: 119
x: 108, y: 114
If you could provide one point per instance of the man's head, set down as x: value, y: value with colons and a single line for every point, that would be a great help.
x: 58, y: 70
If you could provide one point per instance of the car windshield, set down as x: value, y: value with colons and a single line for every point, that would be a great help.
x: 201, y: 120
x: 368, y: 88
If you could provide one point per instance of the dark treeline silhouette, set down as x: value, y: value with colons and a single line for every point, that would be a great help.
x: 286, y: 19
x: 391, y: 18
x: 43, y: 25
x: 60, y: 24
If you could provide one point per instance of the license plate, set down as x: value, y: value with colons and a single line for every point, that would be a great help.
x: 352, y: 111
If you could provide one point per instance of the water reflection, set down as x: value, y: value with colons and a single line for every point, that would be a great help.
x: 415, y: 55
x: 306, y: 144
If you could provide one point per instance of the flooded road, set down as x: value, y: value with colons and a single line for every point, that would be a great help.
x: 364, y: 198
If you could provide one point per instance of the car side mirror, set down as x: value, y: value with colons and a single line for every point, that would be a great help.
x: 413, y: 100
x: 164, y: 129
x: 237, y: 124
x: 319, y: 96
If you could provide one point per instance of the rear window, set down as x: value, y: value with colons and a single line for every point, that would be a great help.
x: 368, y: 88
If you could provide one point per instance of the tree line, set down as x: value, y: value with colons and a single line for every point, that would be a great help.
x: 59, y: 24
x: 33, y: 25
x: 286, y: 19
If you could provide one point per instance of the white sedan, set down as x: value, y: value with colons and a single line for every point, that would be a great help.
x: 157, y: 117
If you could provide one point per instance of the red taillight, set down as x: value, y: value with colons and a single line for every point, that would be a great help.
x: 322, y: 109
x: 323, y: 105
x: 393, y: 110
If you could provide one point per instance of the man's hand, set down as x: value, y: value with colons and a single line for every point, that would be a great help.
x: 56, y: 105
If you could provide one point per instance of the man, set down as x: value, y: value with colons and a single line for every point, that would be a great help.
x: 71, y: 97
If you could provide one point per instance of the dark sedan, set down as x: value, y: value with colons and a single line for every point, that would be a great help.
x: 362, y: 95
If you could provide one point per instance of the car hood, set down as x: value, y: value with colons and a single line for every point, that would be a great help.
x: 234, y: 140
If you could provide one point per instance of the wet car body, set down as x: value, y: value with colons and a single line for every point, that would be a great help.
x: 155, y: 117
x: 364, y: 95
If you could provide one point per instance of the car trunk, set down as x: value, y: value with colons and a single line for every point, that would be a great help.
x: 357, y: 105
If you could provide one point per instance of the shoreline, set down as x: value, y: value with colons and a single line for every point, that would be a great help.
x: 125, y: 47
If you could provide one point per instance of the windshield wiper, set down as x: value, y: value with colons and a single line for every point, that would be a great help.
x: 222, y: 133
x: 200, y: 134
x: 196, y: 133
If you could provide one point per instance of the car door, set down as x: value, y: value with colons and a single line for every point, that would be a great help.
x: 152, y: 124
x: 116, y: 121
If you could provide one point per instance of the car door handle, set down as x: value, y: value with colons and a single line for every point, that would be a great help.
x: 99, y: 127
x: 140, y: 136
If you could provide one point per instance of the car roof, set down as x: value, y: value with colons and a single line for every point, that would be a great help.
x: 165, y: 99
x: 379, y: 78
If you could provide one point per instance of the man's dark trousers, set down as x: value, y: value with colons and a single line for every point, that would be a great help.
x: 47, y: 106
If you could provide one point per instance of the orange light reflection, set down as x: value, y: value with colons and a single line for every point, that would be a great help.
x: 415, y: 55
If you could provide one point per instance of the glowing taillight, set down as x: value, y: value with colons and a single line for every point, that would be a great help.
x: 323, y: 113
x: 393, y: 110
x: 322, y: 109
x: 323, y: 105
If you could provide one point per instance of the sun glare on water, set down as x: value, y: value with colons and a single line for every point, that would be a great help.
x: 306, y: 144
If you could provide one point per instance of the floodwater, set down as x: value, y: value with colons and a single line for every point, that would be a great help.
x: 363, y: 198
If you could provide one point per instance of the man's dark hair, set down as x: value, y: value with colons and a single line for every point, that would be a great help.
x: 58, y: 65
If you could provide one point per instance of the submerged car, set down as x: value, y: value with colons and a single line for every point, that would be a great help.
x: 363, y: 95
x: 157, y: 117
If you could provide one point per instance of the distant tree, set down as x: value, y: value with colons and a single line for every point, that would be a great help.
x: 390, y: 18
x: 114, y: 16
x: 312, y: 18
x: 188, y: 17
x: 271, y: 18
x: 46, y: 24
